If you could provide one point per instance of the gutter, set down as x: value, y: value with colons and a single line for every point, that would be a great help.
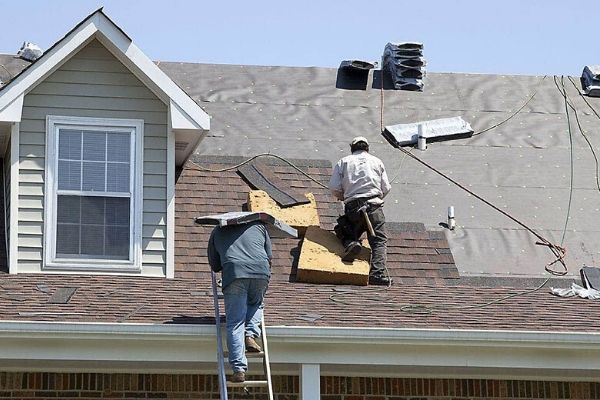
x: 304, y: 334
x: 167, y: 348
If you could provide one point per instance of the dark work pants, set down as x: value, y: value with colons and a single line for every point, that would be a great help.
x: 351, y: 226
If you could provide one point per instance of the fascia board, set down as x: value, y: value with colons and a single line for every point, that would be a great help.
x: 99, y: 26
x: 179, y: 118
x: 303, y: 334
x: 148, y: 72
x: 12, y: 112
x: 44, y: 67
x: 490, y: 338
x: 541, y: 353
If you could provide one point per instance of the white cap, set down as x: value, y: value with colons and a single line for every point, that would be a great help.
x: 359, y: 139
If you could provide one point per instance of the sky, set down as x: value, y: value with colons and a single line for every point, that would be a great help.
x: 525, y: 37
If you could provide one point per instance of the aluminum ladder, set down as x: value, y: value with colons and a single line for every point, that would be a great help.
x: 222, y: 355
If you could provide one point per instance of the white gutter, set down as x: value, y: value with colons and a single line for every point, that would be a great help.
x: 358, y: 351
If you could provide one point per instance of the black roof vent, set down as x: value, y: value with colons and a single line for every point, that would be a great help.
x: 590, y: 80
x: 404, y: 65
x: 357, y: 65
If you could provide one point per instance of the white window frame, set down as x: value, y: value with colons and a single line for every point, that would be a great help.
x: 136, y: 127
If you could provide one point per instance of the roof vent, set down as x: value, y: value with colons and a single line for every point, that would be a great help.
x: 590, y: 79
x: 30, y: 52
x: 359, y: 65
x: 432, y: 131
x: 404, y: 65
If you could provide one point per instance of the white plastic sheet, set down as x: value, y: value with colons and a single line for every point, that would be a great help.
x: 576, y: 290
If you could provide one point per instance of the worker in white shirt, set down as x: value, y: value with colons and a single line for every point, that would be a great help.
x: 360, y: 181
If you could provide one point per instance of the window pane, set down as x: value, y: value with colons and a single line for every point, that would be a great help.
x: 68, y: 209
x: 92, y: 210
x: 69, y: 144
x: 117, y: 242
x: 118, y: 147
x: 117, y: 211
x: 93, y: 176
x: 94, y: 146
x: 67, y: 239
x: 102, y: 233
x: 69, y: 175
x: 92, y: 241
x: 117, y: 177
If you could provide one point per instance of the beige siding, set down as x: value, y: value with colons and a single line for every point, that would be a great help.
x: 92, y: 84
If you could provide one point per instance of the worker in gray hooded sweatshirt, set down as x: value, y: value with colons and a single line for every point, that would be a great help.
x: 360, y: 181
x: 243, y: 254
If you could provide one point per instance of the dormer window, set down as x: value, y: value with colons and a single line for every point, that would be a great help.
x: 94, y: 193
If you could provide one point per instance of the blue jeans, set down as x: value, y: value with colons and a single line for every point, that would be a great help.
x: 243, y: 313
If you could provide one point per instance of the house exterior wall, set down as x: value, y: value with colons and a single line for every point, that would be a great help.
x: 6, y: 194
x: 93, y: 83
x: 30, y: 385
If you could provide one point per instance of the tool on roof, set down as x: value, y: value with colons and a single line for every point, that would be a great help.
x: 363, y: 211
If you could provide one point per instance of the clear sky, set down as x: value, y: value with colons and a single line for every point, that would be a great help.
x: 531, y: 37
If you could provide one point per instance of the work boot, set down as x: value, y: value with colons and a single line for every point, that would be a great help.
x: 238, y: 377
x: 351, y: 251
x: 252, y: 346
x: 380, y: 280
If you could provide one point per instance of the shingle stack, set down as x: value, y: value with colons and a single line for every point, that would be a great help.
x: 404, y: 65
x: 590, y: 79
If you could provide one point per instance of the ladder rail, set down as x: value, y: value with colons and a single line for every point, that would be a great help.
x: 220, y: 351
x: 220, y: 360
x: 266, y: 360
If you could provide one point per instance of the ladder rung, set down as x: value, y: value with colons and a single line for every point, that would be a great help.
x: 248, y: 355
x: 248, y: 384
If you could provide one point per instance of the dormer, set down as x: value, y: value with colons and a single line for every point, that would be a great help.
x: 93, y: 132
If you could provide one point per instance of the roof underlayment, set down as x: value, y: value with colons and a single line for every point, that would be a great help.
x: 523, y: 166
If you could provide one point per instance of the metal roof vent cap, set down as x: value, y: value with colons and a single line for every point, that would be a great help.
x: 30, y: 51
x: 421, y: 138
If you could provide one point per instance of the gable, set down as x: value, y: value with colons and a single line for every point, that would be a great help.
x: 187, y: 120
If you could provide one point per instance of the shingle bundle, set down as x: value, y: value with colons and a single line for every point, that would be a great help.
x: 404, y: 65
x: 590, y: 78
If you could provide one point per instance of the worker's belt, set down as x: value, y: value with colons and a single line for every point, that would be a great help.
x: 355, y: 204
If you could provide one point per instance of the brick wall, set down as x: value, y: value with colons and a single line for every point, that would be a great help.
x: 18, y: 385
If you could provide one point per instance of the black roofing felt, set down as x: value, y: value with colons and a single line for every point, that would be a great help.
x: 523, y: 165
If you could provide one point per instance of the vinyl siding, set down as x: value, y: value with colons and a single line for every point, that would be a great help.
x: 6, y: 176
x: 93, y: 83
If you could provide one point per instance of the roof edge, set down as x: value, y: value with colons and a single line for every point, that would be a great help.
x: 99, y: 25
x: 493, y: 354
